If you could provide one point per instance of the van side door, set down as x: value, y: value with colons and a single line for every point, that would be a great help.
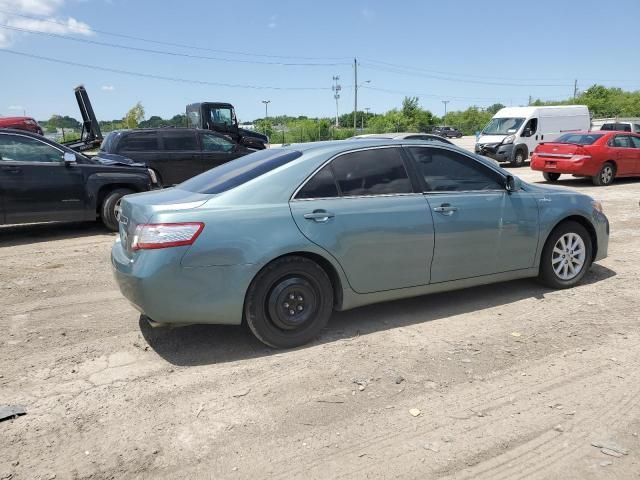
x: 530, y: 135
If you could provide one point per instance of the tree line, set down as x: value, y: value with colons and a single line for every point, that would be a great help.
x: 409, y: 117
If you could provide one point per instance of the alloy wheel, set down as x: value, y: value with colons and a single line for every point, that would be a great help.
x: 569, y: 256
x: 606, y: 175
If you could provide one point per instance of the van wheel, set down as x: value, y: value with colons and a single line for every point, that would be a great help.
x: 605, y: 176
x: 551, y: 176
x: 110, y: 209
x: 518, y: 158
x: 289, y: 302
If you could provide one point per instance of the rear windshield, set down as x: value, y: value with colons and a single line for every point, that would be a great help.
x: 105, y: 146
x: 236, y: 172
x: 620, y: 127
x: 579, y: 139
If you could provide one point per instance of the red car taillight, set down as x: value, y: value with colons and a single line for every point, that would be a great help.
x: 151, y: 236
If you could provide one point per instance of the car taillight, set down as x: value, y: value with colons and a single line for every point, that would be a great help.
x: 164, y: 235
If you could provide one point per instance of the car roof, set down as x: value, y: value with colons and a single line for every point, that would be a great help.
x: 13, y: 119
x: 393, y: 135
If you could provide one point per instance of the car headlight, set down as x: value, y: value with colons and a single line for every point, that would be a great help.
x: 152, y: 174
x: 597, y: 206
x: 509, y: 139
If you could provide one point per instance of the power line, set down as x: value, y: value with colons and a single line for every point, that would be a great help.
x: 430, y: 95
x: 156, y: 77
x: 164, y: 52
x: 171, y: 44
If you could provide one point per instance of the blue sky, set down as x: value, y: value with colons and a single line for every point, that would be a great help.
x: 465, y: 51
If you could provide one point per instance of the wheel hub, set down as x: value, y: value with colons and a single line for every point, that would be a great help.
x: 292, y: 302
x: 568, y: 256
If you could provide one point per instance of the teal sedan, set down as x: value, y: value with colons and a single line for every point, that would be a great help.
x: 282, y: 237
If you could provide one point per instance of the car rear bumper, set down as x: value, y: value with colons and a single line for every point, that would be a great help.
x: 158, y: 286
x: 568, y: 166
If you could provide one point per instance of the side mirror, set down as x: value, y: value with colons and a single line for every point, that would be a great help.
x: 69, y: 159
x: 527, y: 132
x: 510, y: 184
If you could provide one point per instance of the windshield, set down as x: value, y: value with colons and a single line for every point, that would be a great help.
x: 577, y: 138
x: 236, y: 172
x: 502, y: 126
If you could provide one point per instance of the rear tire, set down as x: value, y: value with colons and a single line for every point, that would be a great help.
x: 605, y: 176
x: 566, y: 256
x: 518, y: 158
x: 111, y: 206
x: 289, y: 302
x: 551, y: 176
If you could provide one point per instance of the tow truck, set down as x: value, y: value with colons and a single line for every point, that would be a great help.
x: 221, y: 118
x: 90, y: 136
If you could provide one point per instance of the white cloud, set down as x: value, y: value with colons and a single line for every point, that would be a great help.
x: 47, y: 20
x: 15, y: 107
x: 272, y: 21
x: 108, y: 88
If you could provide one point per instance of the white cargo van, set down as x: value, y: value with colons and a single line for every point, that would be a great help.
x: 514, y: 132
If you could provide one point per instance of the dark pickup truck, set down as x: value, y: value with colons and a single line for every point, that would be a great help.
x: 43, y: 181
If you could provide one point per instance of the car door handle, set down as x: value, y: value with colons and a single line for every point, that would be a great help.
x: 320, y: 216
x: 446, y: 209
x: 10, y: 169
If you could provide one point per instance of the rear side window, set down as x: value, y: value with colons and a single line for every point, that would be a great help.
x: 236, y: 172
x: 379, y: 171
x: 618, y: 127
x: 321, y: 185
x: 635, y: 142
x: 139, y: 142
x: 448, y: 171
x: 621, y: 141
x: 179, y: 140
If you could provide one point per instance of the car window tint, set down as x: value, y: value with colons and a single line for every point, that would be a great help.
x: 579, y: 138
x: 621, y: 141
x: 179, y: 140
x: 25, y: 149
x: 214, y: 143
x: 241, y: 170
x: 635, y: 141
x: 636, y: 128
x: 379, y: 171
x: 321, y: 185
x: 139, y: 142
x: 445, y: 171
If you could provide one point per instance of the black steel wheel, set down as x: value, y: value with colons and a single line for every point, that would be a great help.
x: 289, y: 302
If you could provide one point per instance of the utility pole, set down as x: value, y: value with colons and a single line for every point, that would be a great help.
x: 575, y: 88
x: 266, y: 108
x: 529, y: 100
x: 445, y: 111
x: 355, y: 94
x: 336, y: 94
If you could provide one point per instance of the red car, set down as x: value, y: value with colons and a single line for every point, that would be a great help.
x: 601, y: 155
x: 21, y: 123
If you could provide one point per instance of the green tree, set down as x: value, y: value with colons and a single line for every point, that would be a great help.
x: 493, y: 109
x: 134, y: 116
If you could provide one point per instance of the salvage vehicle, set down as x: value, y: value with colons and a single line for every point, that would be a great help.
x: 282, y: 237
x: 174, y: 154
x: 427, y: 137
x: 514, y: 132
x: 622, y: 126
x: 90, y: 135
x: 44, y: 181
x: 21, y: 123
x: 221, y: 118
x: 447, y: 132
x: 602, y: 155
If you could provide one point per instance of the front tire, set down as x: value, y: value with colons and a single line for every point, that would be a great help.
x: 518, y: 158
x: 605, y: 176
x: 551, y: 176
x: 111, y: 207
x: 289, y: 302
x: 566, y: 257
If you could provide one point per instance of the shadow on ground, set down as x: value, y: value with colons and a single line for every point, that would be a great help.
x: 13, y: 235
x: 208, y: 344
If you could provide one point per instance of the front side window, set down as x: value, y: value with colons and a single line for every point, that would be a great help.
x: 179, y: 141
x: 379, y: 171
x: 139, y: 142
x: 17, y: 148
x: 221, y: 116
x: 635, y: 141
x: 530, y: 128
x: 448, y: 171
x: 321, y: 185
x: 214, y: 143
x: 621, y: 141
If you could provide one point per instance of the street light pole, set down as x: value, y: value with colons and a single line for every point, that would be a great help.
x: 445, y: 111
x: 336, y: 94
x: 355, y: 95
x: 363, y: 115
x: 266, y: 108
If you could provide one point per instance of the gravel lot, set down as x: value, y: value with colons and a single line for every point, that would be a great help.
x: 507, y: 381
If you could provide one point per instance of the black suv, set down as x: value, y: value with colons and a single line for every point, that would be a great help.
x: 448, y: 132
x: 43, y: 181
x: 174, y: 154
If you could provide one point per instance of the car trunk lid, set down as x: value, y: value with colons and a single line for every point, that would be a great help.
x: 555, y: 150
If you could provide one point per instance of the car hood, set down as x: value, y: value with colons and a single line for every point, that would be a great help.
x: 550, y: 189
x: 112, y: 159
x: 491, y: 138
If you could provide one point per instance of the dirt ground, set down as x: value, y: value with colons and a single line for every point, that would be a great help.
x: 508, y: 381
